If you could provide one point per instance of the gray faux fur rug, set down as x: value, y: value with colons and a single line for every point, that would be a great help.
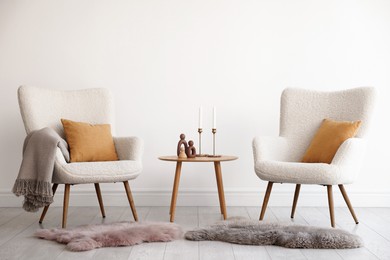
x: 88, y: 237
x: 252, y: 232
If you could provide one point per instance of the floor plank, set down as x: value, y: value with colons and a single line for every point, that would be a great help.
x: 142, y: 212
x: 383, y: 213
x: 237, y: 212
x: 187, y: 218
x: 17, y: 228
x: 152, y: 250
x: 254, y: 213
x: 25, y: 246
x: 283, y: 215
x: 7, y: 214
x: 314, y: 217
x: 374, y: 221
x: 16, y: 225
x: 374, y: 243
x: 180, y: 248
x: 213, y: 249
x: 209, y: 250
x: 246, y: 252
x: 277, y: 252
x: 146, y: 251
x: 209, y: 216
x: 321, y: 254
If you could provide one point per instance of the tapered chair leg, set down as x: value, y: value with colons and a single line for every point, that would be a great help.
x: 266, y: 198
x: 130, y: 199
x: 66, y: 204
x: 345, y: 196
x: 54, y: 188
x: 331, y: 206
x: 100, y: 199
x: 296, y: 195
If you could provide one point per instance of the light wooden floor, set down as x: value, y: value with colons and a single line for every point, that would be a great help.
x: 17, y: 227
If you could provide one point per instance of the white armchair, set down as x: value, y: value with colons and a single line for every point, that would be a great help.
x: 277, y: 159
x: 41, y: 108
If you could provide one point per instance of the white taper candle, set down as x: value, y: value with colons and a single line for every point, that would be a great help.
x: 200, y: 117
x: 215, y: 117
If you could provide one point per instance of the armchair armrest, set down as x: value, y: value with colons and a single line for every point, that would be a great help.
x: 129, y: 148
x: 350, y: 153
x: 60, y: 158
x: 349, y: 157
x: 270, y: 148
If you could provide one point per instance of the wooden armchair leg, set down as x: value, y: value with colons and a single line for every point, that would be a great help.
x: 100, y: 199
x: 345, y: 196
x: 54, y: 188
x: 131, y: 201
x: 266, y: 198
x: 331, y: 206
x: 296, y: 195
x: 66, y: 204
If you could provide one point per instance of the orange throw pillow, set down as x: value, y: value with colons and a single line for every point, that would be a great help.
x: 89, y: 143
x: 328, y: 139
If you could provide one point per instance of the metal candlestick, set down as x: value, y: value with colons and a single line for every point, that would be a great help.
x: 200, y: 141
x: 214, y: 131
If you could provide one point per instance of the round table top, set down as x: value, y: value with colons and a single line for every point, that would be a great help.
x: 221, y: 158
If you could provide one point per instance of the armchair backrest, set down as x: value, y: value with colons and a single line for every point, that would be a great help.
x: 42, y: 107
x: 302, y: 111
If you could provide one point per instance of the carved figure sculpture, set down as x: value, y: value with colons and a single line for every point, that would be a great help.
x: 182, y: 142
x: 182, y: 154
x: 191, y: 150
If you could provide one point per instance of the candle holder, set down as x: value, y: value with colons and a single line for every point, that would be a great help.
x: 214, y: 131
x: 200, y: 130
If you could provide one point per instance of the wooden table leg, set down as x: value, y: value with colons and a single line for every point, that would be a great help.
x: 221, y: 193
x: 174, y: 191
x: 217, y: 168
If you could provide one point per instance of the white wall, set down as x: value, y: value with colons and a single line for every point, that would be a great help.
x: 162, y: 59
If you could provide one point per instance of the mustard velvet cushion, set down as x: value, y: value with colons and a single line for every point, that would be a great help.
x: 328, y: 139
x: 89, y: 143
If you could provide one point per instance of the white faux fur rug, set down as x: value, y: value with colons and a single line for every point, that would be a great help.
x: 88, y: 237
x: 253, y: 232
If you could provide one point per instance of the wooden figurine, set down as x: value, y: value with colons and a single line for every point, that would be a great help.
x: 191, y: 151
x: 182, y: 154
x: 182, y: 142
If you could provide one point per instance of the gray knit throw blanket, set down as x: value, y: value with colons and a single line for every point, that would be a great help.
x: 36, y: 170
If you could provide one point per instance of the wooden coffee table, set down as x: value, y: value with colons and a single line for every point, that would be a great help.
x: 218, y: 174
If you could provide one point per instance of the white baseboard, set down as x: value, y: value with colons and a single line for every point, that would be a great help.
x: 208, y: 198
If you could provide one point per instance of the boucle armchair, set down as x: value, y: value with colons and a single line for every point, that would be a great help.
x: 41, y: 108
x: 277, y: 159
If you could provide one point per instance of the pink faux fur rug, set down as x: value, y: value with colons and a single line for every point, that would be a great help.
x: 88, y: 237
